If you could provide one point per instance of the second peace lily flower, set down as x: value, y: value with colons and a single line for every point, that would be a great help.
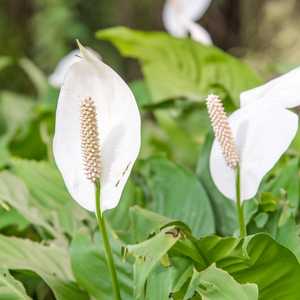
x: 263, y: 128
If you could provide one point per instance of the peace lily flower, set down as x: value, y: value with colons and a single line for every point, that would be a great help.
x: 97, y: 132
x: 263, y: 128
x: 180, y: 16
x: 56, y: 79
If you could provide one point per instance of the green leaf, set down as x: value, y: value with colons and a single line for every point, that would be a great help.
x: 148, y: 254
x: 36, y: 75
x: 50, y: 194
x: 216, y: 284
x: 12, y: 217
x: 90, y: 269
x: 5, y: 61
x: 224, y: 209
x: 177, y: 194
x: 11, y: 117
x: 163, y: 282
x: 288, y: 180
x: 178, y: 67
x: 119, y: 218
x: 14, y: 192
x: 257, y: 259
x: 51, y: 263
x: 261, y: 219
x: 141, y: 92
x: 10, y: 288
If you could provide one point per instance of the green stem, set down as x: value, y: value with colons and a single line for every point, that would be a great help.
x: 107, y: 247
x: 240, y: 210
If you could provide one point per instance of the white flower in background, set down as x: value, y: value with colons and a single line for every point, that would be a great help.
x: 180, y: 16
x: 56, y: 79
x: 263, y: 128
x: 97, y: 132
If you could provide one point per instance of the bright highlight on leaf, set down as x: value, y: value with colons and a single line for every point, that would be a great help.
x: 263, y: 129
x: 180, y: 16
x: 95, y: 96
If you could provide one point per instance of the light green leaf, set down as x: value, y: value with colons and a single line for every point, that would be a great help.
x: 216, y: 284
x: 177, y: 67
x: 10, y: 288
x: 288, y: 180
x: 14, y: 118
x: 257, y: 259
x: 49, y: 194
x: 36, y: 75
x: 15, y: 193
x: 148, y: 254
x: 4, y: 62
x: 164, y: 282
x: 51, y: 263
x: 90, y: 269
x: 12, y: 217
x: 177, y: 194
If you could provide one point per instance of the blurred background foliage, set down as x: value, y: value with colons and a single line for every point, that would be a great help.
x: 265, y: 32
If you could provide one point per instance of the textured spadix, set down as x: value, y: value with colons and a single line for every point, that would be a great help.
x: 179, y: 18
x: 90, y: 81
x: 222, y: 130
x: 262, y: 130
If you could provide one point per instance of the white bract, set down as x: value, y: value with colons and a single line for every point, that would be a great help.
x: 263, y: 129
x: 180, y: 16
x: 56, y: 79
x: 118, y: 123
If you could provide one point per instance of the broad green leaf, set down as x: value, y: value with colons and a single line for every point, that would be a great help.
x: 119, y: 217
x: 148, y: 254
x: 177, y: 194
x: 257, y: 259
x: 224, y: 209
x: 51, y: 263
x: 5, y: 61
x: 10, y: 288
x: 145, y: 223
x: 50, y: 194
x: 216, y: 284
x: 165, y: 281
x: 15, y: 193
x: 288, y: 180
x: 12, y: 217
x: 14, y: 118
x: 141, y: 92
x: 288, y: 235
x: 178, y: 67
x: 90, y: 269
x: 35, y: 75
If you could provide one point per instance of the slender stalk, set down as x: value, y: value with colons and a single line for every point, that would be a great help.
x: 240, y: 209
x: 107, y: 247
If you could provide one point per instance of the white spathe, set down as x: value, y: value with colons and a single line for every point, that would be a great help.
x: 179, y: 18
x: 119, y: 128
x: 263, y: 129
x: 56, y: 79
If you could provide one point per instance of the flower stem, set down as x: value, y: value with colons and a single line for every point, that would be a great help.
x: 239, y: 205
x: 107, y: 247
